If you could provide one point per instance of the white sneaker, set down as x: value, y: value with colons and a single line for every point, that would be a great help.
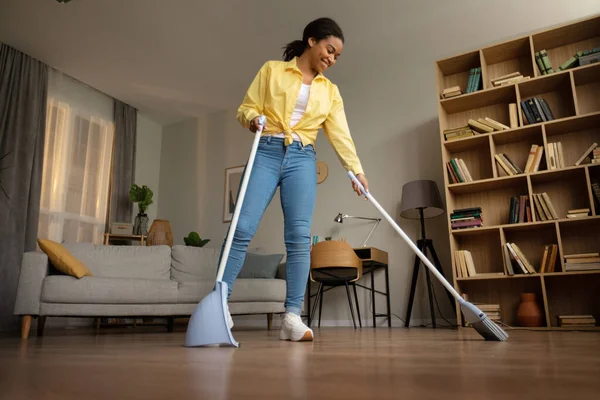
x: 292, y: 328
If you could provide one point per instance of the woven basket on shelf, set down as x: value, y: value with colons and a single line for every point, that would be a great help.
x: 160, y: 233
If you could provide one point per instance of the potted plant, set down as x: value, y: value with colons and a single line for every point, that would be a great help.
x: 142, y: 196
x: 194, y: 239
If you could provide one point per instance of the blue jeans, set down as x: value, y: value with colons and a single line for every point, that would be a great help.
x: 293, y: 169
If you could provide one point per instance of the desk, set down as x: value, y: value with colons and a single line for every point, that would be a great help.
x: 372, y: 260
x: 110, y: 236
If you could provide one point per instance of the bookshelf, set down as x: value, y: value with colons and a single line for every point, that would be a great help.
x: 520, y: 134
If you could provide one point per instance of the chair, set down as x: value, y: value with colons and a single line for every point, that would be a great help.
x: 334, y: 263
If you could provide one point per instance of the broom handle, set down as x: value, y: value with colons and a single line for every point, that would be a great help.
x: 240, y: 200
x: 407, y: 239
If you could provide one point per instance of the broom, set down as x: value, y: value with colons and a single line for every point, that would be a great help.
x: 477, y: 318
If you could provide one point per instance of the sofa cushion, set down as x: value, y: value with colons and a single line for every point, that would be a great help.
x: 150, y: 262
x: 244, y: 290
x: 62, y: 259
x: 194, y: 263
x: 102, y: 290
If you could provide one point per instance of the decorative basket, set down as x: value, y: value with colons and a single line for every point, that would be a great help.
x: 160, y: 233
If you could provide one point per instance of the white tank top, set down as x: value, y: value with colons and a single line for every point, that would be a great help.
x: 299, y: 109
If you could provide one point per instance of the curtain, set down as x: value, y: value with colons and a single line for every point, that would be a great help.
x: 123, y: 169
x: 23, y: 94
x: 76, y: 175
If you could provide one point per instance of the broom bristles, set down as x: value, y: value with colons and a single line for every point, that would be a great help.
x: 482, y: 324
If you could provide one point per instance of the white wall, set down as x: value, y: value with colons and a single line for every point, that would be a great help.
x: 183, y: 177
x: 147, y: 161
x: 393, y: 118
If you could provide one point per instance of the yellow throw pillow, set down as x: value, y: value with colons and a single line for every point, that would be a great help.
x: 62, y: 260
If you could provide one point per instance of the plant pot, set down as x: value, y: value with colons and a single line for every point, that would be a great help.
x: 140, y: 225
x: 529, y: 313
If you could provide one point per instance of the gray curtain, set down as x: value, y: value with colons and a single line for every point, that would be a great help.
x: 123, y: 165
x: 23, y: 95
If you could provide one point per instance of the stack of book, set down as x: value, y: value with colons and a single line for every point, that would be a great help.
x: 486, y: 125
x: 458, y: 133
x: 549, y: 258
x: 474, y: 83
x: 463, y: 264
x: 544, y: 210
x: 534, y: 159
x: 555, y: 155
x: 451, y: 92
x: 596, y: 192
x: 509, y: 79
x: 516, y: 262
x: 535, y: 110
x: 592, y: 152
x: 458, y: 171
x: 578, y: 213
x: 520, y: 210
x: 543, y: 62
x: 576, y: 321
x: 582, y: 262
x: 492, y: 311
x: 465, y: 267
x: 507, y: 164
x: 466, y: 218
x: 582, y: 57
x: 589, y: 56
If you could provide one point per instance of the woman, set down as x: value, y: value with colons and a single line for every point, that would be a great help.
x: 297, y: 100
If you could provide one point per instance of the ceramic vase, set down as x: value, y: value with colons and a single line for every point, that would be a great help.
x: 529, y: 312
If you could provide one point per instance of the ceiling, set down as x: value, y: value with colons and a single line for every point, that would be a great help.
x: 180, y: 58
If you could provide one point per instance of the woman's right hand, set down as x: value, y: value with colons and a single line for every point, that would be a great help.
x: 254, y: 125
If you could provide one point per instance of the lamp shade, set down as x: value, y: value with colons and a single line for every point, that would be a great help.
x: 421, y: 194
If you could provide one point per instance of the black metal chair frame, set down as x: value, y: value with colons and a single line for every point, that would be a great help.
x: 332, y: 283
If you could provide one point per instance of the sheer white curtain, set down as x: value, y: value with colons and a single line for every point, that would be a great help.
x: 77, y: 161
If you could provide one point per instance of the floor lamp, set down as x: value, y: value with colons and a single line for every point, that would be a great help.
x: 421, y: 199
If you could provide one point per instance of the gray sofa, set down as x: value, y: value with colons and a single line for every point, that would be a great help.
x: 135, y: 281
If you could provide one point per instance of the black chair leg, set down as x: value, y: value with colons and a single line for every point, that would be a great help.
x: 357, y: 308
x: 314, y: 307
x: 350, y: 303
x: 320, y: 304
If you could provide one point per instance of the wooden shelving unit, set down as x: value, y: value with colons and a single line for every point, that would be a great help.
x: 573, y: 95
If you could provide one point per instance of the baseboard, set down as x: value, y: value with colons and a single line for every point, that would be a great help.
x: 254, y: 322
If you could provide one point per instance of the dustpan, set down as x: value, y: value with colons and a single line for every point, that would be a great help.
x: 208, y: 323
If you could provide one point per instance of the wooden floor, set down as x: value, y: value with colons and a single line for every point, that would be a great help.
x: 342, y: 363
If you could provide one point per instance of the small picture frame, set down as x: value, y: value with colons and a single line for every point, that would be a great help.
x: 233, y: 180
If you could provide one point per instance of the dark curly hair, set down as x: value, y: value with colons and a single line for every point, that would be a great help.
x: 320, y: 29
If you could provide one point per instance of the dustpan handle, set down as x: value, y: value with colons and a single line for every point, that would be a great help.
x: 240, y: 199
x: 407, y: 239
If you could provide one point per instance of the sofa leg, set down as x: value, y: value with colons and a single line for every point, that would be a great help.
x: 170, y: 322
x: 25, y: 326
x: 269, y: 320
x: 41, y: 322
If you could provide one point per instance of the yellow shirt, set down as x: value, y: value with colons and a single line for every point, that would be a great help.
x: 274, y: 92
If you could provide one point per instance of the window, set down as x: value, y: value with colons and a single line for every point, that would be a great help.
x: 77, y: 160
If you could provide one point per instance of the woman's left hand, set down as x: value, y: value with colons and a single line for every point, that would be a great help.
x: 363, y: 180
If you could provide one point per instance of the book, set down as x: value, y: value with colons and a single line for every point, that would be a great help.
x: 479, y: 127
x: 587, y: 153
